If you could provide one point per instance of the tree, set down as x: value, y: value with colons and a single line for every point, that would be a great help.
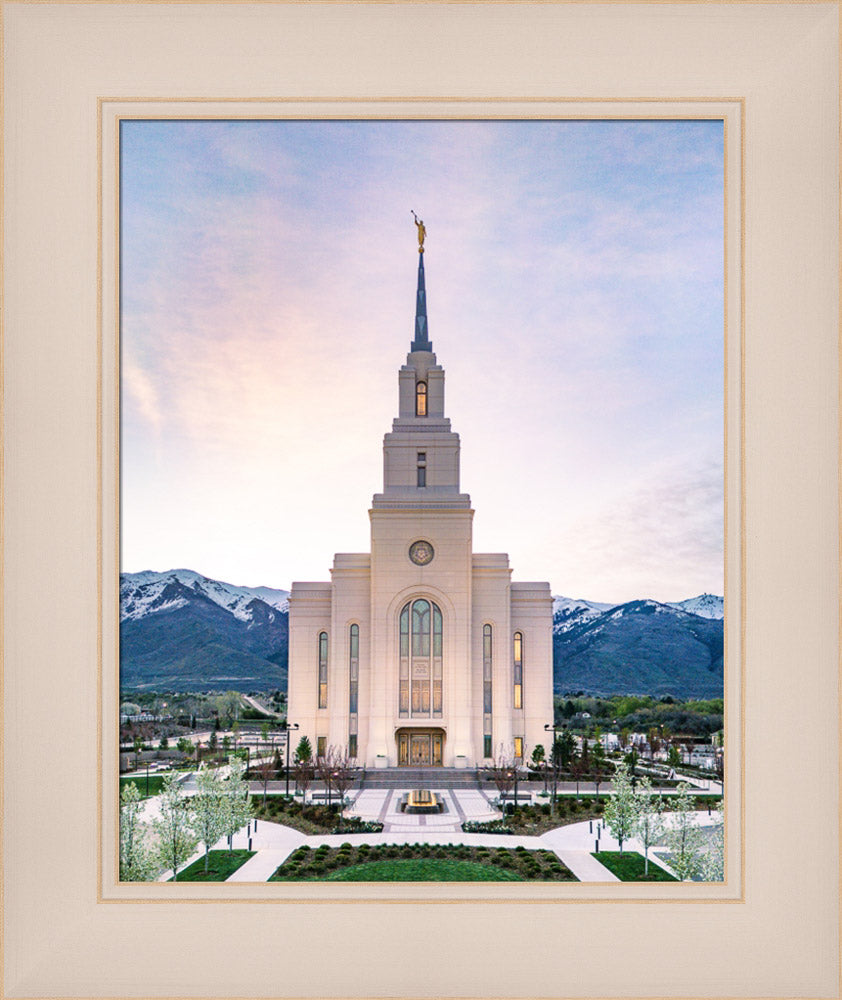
x: 713, y: 864
x: 213, y: 742
x: 599, y: 765
x: 164, y: 744
x: 578, y: 769
x: 502, y: 772
x: 566, y: 749
x: 264, y: 732
x: 304, y: 751
x: 136, y: 861
x: 631, y: 760
x: 129, y: 708
x: 342, y: 773
x: 237, y: 809
x: 265, y: 769
x: 228, y: 707
x: 538, y: 755
x: 207, y: 808
x: 673, y: 757
x: 176, y: 839
x: 235, y: 729
x: 621, y: 810
x: 184, y: 746
x: 650, y: 824
x: 303, y: 770
x: 684, y: 838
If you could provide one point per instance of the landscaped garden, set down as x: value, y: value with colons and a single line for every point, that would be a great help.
x: 421, y: 863
x: 221, y: 864
x: 630, y: 867
x: 310, y: 819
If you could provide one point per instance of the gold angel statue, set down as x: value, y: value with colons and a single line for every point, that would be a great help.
x: 422, y: 232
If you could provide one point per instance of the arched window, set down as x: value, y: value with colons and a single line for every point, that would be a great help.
x: 487, y: 665
x: 323, y: 670
x: 517, y: 663
x: 353, y: 694
x: 420, y: 680
x: 420, y: 399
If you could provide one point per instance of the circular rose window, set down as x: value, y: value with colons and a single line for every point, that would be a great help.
x: 421, y: 553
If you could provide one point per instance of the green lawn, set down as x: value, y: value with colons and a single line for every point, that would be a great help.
x: 421, y: 863
x: 156, y: 781
x: 629, y: 867
x: 221, y: 864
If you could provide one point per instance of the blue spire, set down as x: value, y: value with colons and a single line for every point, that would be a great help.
x: 421, y: 341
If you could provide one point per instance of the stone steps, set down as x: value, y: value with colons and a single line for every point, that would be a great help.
x: 416, y: 777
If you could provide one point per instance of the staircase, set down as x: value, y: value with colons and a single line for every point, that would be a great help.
x: 420, y: 777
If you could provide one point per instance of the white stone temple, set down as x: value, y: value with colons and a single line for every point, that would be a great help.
x: 421, y: 653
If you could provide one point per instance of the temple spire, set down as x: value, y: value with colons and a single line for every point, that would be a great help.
x: 421, y: 341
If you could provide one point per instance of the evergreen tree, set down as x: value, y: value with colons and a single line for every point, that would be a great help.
x: 621, y: 810
x: 304, y: 751
x: 176, y: 839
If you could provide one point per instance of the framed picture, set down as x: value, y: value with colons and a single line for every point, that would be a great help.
x: 773, y: 931
x: 606, y: 236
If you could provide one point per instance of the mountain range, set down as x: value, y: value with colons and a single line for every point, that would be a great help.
x: 181, y: 631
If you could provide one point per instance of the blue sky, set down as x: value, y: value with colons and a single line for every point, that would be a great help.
x: 575, y: 300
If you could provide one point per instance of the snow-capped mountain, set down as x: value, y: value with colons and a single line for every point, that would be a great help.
x: 640, y: 647
x: 705, y: 606
x: 568, y: 611
x: 181, y: 631
x: 148, y: 592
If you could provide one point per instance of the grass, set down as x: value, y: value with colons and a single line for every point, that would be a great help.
x: 421, y: 863
x: 156, y: 781
x: 422, y: 870
x: 221, y: 864
x: 629, y: 867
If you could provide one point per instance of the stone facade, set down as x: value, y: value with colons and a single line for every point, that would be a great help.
x: 445, y: 659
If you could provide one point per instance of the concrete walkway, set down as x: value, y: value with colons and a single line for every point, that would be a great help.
x: 572, y: 844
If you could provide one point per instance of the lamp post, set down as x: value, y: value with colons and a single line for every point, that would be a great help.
x: 287, y: 728
x: 551, y: 727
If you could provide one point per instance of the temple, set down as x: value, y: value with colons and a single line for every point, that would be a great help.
x: 421, y: 653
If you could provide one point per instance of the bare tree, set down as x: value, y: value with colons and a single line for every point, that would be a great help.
x: 265, y: 768
x: 502, y: 773
x: 304, y: 772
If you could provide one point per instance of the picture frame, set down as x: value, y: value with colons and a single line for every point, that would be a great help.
x: 781, y: 937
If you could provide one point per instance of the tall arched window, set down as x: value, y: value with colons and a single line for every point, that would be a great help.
x: 487, y: 666
x: 420, y: 399
x: 323, y: 670
x: 517, y: 658
x: 353, y: 694
x: 420, y: 687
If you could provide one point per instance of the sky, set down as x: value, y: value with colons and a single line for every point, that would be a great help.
x: 574, y: 274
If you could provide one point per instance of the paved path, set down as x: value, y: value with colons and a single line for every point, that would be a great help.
x: 572, y: 844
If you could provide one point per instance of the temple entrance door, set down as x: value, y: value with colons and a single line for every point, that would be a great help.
x: 419, y: 750
x: 420, y: 747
